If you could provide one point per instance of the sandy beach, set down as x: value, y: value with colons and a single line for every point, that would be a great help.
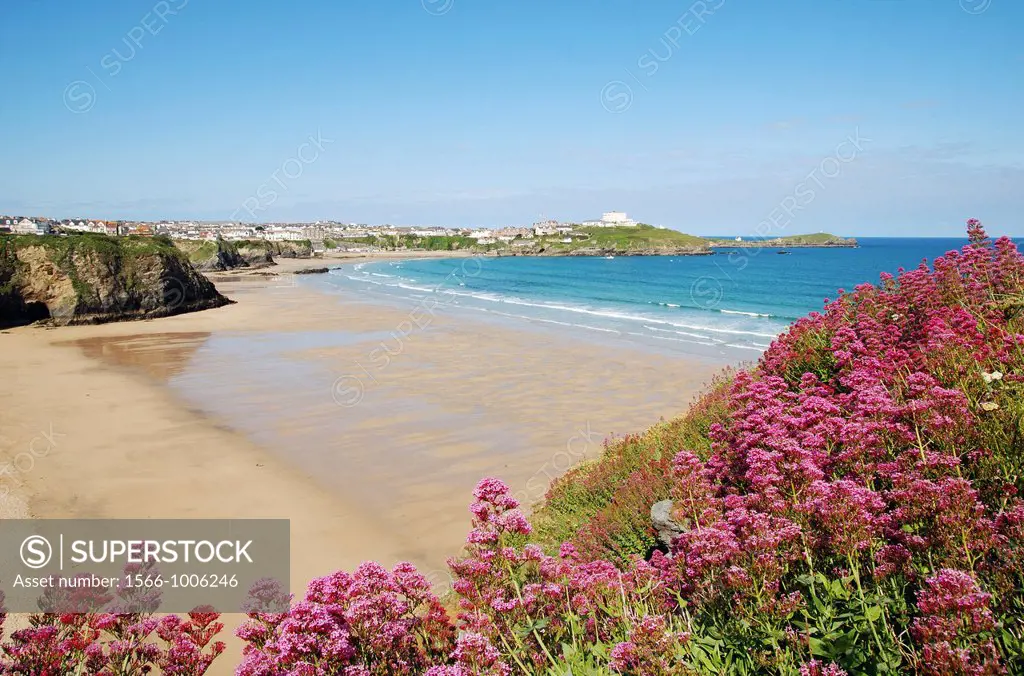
x: 282, y: 405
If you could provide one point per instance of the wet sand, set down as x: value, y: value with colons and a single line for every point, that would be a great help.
x: 319, y: 408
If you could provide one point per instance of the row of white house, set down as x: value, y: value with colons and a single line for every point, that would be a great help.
x: 89, y: 226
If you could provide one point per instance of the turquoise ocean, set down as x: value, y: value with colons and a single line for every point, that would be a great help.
x: 728, y: 305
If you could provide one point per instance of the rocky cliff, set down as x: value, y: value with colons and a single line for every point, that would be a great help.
x: 86, y: 279
x: 229, y: 255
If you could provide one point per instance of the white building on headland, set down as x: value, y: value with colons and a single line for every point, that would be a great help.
x: 612, y: 219
x: 617, y: 218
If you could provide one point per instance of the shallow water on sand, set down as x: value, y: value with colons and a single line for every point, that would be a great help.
x: 403, y: 425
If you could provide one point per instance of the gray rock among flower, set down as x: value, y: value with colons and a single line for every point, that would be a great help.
x: 665, y: 526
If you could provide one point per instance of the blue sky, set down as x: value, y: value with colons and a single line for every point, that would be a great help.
x: 864, y: 117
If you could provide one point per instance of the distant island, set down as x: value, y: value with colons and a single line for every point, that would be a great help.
x: 819, y: 240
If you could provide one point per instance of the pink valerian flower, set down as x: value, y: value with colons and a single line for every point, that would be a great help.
x: 474, y: 656
x: 80, y: 599
x: 43, y: 650
x: 131, y: 647
x: 1010, y: 523
x: 848, y: 517
x: 943, y: 517
x: 975, y: 231
x: 624, y: 657
x: 650, y: 650
x: 191, y: 648
x: 495, y: 511
x: 266, y: 596
x: 693, y: 498
x: 740, y: 558
x: 817, y: 668
x: 893, y: 560
x: 373, y: 621
x: 955, y: 628
x: 510, y: 589
x: 111, y: 643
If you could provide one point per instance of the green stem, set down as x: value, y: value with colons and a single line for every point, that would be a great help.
x: 533, y: 629
x: 863, y: 603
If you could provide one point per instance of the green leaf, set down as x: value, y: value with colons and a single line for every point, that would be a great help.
x: 873, y: 613
x: 844, y: 643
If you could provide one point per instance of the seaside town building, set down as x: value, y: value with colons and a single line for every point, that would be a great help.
x: 545, y: 228
x: 28, y: 226
x: 429, y: 232
x: 509, y: 234
x: 318, y: 232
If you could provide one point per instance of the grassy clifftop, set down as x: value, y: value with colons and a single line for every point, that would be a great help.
x: 127, y: 248
x: 642, y: 236
x: 622, y: 240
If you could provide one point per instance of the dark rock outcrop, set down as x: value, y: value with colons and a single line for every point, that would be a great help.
x: 231, y: 255
x: 88, y: 279
x: 302, y: 248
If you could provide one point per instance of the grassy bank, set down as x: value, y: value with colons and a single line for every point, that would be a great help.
x: 623, y: 239
x: 640, y: 236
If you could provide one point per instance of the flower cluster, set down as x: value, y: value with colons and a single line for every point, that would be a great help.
x: 955, y: 627
x: 526, y: 602
x: 373, y: 621
x: 95, y: 630
x: 650, y: 650
x: 106, y: 643
x: 872, y: 446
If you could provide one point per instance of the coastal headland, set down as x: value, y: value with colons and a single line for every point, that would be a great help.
x: 821, y: 240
